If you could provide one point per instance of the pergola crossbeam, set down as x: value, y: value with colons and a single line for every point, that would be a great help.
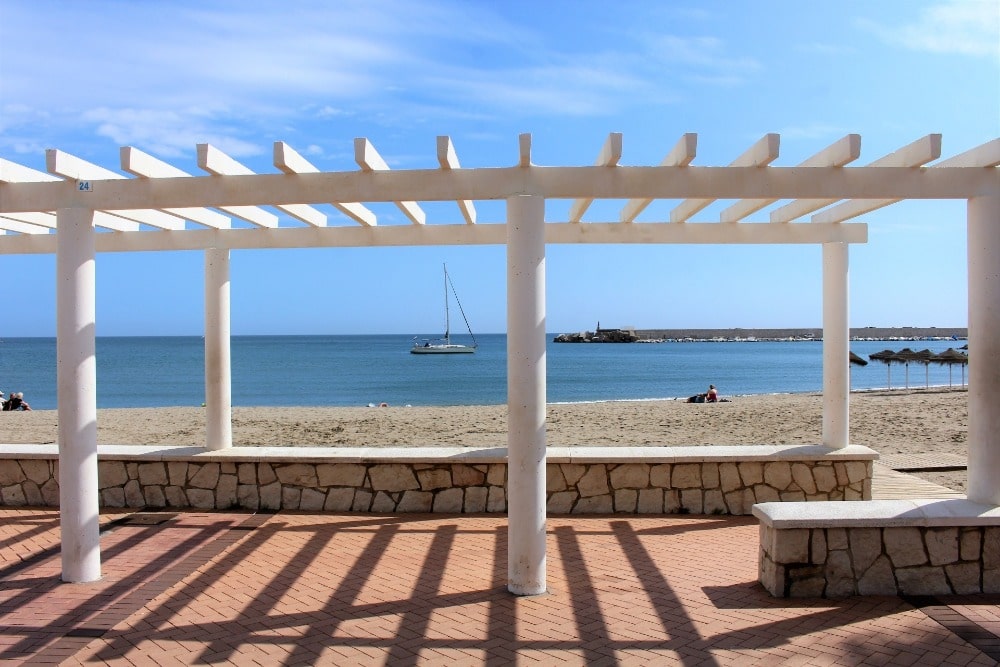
x: 524, y: 150
x: 73, y: 168
x: 761, y: 154
x: 681, y: 155
x: 369, y: 160
x: 46, y: 220
x: 217, y: 163
x: 11, y: 172
x: 11, y: 225
x: 844, y: 151
x: 986, y: 155
x: 291, y: 162
x: 609, y: 156
x: 448, y: 159
x: 141, y: 164
x: 498, y: 183
x: 920, y: 152
x: 662, y: 233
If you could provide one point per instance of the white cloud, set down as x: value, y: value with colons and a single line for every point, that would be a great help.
x: 582, y: 87
x: 966, y: 27
x: 703, y: 59
x: 166, y: 133
x: 169, y: 76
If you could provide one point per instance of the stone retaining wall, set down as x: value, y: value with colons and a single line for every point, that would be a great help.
x: 643, y: 480
x: 936, y: 547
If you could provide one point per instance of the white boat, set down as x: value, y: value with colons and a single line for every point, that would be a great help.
x: 444, y: 345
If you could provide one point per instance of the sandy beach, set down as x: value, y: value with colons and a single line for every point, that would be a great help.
x: 924, y: 421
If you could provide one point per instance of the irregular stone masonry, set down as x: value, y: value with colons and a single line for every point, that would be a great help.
x: 905, y: 560
x: 590, y: 487
x: 897, y: 547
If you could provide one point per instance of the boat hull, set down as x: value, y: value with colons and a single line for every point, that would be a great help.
x: 442, y: 349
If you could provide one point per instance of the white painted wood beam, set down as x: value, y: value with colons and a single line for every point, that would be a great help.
x: 524, y: 150
x: 985, y: 155
x: 453, y: 235
x: 838, y: 154
x: 497, y: 183
x: 217, y: 163
x: 11, y: 172
x: 73, y: 168
x: 448, y: 159
x: 761, y: 154
x: 101, y: 219
x: 143, y: 165
x: 923, y: 150
x: 611, y: 154
x: 26, y: 223
x: 11, y: 225
x: 47, y: 220
x: 681, y: 155
x: 369, y: 160
x: 288, y: 160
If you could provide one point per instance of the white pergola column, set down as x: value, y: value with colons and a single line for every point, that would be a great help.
x: 218, y: 366
x: 836, y: 347
x: 984, y: 350
x: 76, y: 394
x: 526, y: 394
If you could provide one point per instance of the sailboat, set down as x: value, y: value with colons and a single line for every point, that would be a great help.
x: 444, y: 345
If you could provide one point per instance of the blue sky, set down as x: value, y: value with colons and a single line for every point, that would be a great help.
x: 89, y: 77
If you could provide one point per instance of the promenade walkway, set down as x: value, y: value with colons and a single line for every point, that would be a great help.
x: 297, y: 589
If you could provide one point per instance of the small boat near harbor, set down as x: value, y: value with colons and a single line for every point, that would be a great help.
x: 444, y: 345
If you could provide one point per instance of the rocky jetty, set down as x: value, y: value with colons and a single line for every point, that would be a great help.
x: 599, y: 336
x: 632, y: 335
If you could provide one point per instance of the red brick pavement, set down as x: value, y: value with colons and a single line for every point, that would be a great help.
x: 301, y: 589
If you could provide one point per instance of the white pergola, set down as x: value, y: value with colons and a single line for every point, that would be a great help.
x: 78, y: 209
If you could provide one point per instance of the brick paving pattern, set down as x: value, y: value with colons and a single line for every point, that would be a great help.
x: 232, y: 588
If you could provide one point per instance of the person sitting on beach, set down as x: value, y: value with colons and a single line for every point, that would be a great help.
x: 711, y: 396
x: 16, y: 402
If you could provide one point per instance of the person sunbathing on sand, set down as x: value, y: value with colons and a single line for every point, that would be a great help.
x: 16, y: 403
x: 711, y: 396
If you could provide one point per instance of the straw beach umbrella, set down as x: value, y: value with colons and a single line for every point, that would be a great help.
x: 887, y: 357
x: 905, y: 356
x: 924, y: 357
x: 855, y: 359
x: 951, y: 356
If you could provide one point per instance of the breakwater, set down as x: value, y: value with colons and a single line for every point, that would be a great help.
x: 804, y: 333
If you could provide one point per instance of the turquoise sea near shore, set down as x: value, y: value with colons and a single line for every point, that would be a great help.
x: 134, y: 372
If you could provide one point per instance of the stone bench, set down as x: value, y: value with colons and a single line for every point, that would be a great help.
x: 580, y: 480
x: 884, y: 547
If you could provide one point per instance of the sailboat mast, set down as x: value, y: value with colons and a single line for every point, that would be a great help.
x: 447, y: 320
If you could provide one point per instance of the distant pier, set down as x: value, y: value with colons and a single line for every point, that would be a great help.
x: 629, y: 335
x: 803, y: 334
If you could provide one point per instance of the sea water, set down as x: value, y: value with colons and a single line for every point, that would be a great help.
x: 359, y: 370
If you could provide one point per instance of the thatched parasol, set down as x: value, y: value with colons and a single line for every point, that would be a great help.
x: 924, y: 357
x: 951, y: 356
x: 905, y: 356
x: 887, y: 357
x: 855, y: 359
